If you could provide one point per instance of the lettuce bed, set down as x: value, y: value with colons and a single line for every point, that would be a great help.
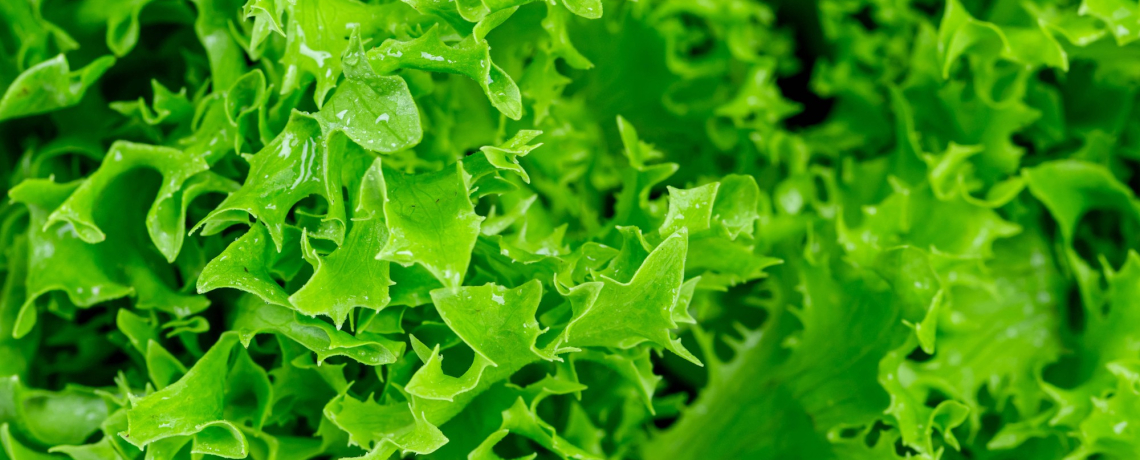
x: 485, y: 229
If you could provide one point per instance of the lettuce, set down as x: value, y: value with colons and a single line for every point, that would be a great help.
x: 487, y: 229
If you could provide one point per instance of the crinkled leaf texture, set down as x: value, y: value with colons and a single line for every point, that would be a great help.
x: 577, y: 229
